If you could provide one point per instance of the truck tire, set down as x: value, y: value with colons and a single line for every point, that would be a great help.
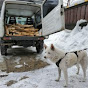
x: 3, y: 50
x: 39, y: 46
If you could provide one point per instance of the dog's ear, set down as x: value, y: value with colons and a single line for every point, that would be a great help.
x: 52, y: 47
x: 45, y: 46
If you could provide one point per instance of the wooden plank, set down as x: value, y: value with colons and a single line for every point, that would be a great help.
x: 71, y: 19
x: 75, y: 15
x: 66, y: 17
x: 79, y: 13
x: 83, y: 9
x: 15, y: 30
x: 69, y: 14
x: 86, y: 15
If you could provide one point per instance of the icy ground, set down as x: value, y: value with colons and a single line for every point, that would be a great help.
x: 76, y: 39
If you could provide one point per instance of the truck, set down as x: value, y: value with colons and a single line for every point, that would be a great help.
x: 28, y: 23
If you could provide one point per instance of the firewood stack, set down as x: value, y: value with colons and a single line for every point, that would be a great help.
x: 21, y: 30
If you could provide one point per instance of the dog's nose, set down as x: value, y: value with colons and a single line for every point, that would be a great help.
x: 44, y: 56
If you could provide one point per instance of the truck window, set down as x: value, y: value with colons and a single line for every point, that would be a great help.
x: 19, y: 20
x: 48, y: 6
x: 38, y: 17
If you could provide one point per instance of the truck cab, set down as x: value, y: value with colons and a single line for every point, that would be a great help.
x: 52, y: 17
x: 27, y: 24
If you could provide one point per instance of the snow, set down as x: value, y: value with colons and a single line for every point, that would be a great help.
x: 43, y: 78
x: 17, y: 59
x: 1, y: 59
x: 67, y: 40
x: 73, y: 2
x: 18, y: 66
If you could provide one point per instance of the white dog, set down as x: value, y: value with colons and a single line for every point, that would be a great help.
x: 65, y: 60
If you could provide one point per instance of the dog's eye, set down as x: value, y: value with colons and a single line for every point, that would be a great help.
x: 48, y: 52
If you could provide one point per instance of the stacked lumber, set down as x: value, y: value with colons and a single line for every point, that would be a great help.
x: 21, y: 30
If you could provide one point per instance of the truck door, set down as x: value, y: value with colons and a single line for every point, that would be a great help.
x: 52, y: 16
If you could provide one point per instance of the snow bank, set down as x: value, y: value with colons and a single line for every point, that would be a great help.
x: 77, y: 39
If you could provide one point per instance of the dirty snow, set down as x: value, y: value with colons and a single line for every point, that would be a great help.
x: 67, y: 40
x: 17, y: 59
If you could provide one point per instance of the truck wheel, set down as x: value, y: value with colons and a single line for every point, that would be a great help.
x: 38, y: 49
x: 39, y: 46
x: 3, y: 50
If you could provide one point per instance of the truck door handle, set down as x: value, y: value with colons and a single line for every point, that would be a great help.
x: 61, y: 13
x: 61, y: 6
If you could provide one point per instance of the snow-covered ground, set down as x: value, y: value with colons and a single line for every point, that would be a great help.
x: 76, y: 39
x: 44, y: 78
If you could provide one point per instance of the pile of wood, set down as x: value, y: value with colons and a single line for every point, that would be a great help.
x: 21, y: 30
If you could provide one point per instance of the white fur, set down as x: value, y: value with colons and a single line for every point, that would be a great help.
x: 68, y: 60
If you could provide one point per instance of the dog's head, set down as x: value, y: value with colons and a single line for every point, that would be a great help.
x: 49, y: 52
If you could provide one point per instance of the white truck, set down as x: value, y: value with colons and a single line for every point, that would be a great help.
x: 20, y: 16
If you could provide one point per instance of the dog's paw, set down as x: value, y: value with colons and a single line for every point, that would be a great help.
x: 57, y: 80
x: 65, y: 85
x: 84, y: 80
x: 77, y: 73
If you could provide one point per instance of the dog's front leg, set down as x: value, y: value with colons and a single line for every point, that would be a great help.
x: 66, y: 77
x: 59, y: 72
